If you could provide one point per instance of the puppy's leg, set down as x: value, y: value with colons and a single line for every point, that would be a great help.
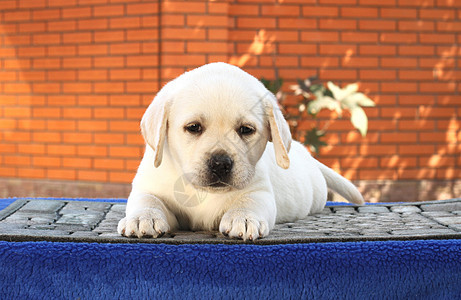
x: 146, y: 216
x: 250, y: 217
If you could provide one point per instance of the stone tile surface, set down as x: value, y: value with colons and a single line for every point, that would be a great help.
x: 82, y: 221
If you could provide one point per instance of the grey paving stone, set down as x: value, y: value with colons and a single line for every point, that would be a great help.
x: 448, y: 220
x: 97, y: 222
x: 423, y: 232
x: 42, y: 206
x: 405, y: 209
x: 452, y: 206
x: 373, y: 209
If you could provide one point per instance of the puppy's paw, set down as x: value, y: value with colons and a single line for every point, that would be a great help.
x: 244, y: 225
x: 148, y: 222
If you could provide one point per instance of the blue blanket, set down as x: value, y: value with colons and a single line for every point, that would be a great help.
x: 364, y: 270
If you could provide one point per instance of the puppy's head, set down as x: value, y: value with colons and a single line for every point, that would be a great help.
x: 216, y: 121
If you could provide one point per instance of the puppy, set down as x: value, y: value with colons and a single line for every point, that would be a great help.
x: 219, y: 155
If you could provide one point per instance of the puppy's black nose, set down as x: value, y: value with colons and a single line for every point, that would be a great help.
x: 220, y: 165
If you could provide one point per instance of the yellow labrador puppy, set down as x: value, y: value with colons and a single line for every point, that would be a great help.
x: 219, y: 155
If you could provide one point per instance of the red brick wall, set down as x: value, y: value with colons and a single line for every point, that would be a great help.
x: 76, y: 76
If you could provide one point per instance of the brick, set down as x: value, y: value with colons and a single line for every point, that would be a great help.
x: 109, y: 61
x: 16, y: 160
x: 93, y: 24
x: 338, y: 24
x: 125, y: 48
x: 184, y: 7
x: 46, y: 137
x: 61, y: 150
x: 77, y: 113
x: 76, y: 87
x: 77, y: 37
x: 419, y: 50
x: 418, y: 125
x: 125, y: 22
x: 377, y: 25
x: 403, y: 87
x: 377, y: 74
x: 243, y: 9
x: 208, y: 21
x: 297, y: 23
x: 360, y: 62
x: 109, y: 36
x: 378, y: 3
x: 124, y: 151
x: 62, y: 50
x: 62, y: 26
x: 93, y: 100
x: 398, y: 13
x: 46, y: 112
x: 109, y: 87
x: 109, y: 164
x: 436, y: 14
x: 143, y: 8
x: 77, y: 162
x: 416, y: 3
x: 16, y: 16
x: 76, y: 62
x: 297, y: 48
x: 359, y: 12
x: 77, y: 137
x: 61, y: 125
x: 46, y: 14
x: 315, y: 36
x: 377, y: 174
x: 183, y: 34
x: 438, y: 87
x: 141, y: 87
x: 412, y: 150
x: 396, y: 161
x: 16, y: 136
x: 417, y: 26
x: 92, y: 125
x: 93, y: 75
x: 32, y: 27
x: 425, y: 75
x: 61, y: 174
x: 92, y: 151
x: 31, y: 124
x: 437, y: 38
x: 397, y: 62
x: 76, y: 13
x: 62, y: 75
x: 398, y: 137
x: 108, y: 10
x: 359, y: 37
x: 320, y: 11
x: 93, y: 49
x: 142, y: 34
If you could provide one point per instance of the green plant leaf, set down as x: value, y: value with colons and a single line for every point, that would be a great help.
x: 315, y: 106
x: 272, y: 85
x: 359, y: 120
x: 313, y: 139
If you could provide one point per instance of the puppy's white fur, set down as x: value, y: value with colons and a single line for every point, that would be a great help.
x: 272, y: 180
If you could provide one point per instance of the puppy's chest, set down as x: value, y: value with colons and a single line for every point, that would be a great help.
x: 205, y: 216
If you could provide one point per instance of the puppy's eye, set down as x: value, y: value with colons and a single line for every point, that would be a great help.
x: 246, y: 130
x: 194, y: 128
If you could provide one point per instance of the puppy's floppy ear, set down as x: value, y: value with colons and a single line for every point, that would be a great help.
x: 280, y: 134
x: 154, y: 125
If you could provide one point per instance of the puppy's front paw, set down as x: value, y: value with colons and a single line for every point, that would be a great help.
x: 243, y: 225
x: 148, y: 222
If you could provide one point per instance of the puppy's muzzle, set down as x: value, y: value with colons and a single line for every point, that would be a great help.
x: 220, y: 168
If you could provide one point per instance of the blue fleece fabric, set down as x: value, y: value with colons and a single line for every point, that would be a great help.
x: 362, y: 270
